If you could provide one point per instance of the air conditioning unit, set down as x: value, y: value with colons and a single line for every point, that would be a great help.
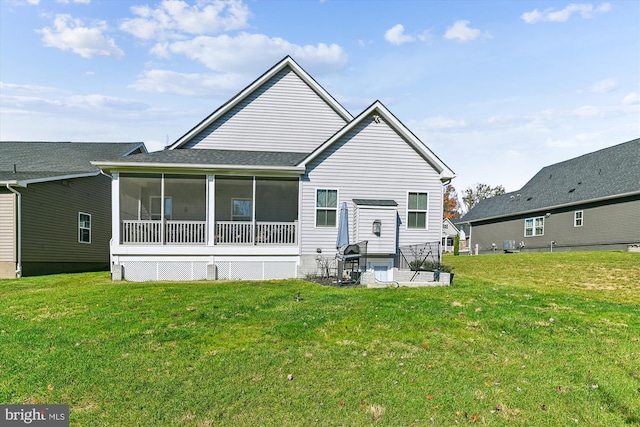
x: 509, y: 246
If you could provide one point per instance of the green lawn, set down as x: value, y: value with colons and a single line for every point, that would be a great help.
x: 520, y: 339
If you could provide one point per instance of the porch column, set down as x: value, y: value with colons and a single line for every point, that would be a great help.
x: 115, y: 209
x: 211, y: 209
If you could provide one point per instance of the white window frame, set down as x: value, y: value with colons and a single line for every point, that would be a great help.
x: 426, y: 211
x: 325, y: 208
x: 578, y: 218
x: 533, y: 227
x: 82, y: 226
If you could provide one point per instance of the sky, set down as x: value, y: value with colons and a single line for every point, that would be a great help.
x: 496, y: 89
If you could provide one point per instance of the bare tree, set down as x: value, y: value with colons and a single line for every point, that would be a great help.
x: 473, y: 196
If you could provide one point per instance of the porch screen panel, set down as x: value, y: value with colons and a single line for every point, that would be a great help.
x: 188, y: 194
x: 137, y: 193
x: 228, y: 190
x: 140, y: 209
x: 188, y: 221
x: 277, y: 199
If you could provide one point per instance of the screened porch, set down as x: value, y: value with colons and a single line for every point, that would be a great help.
x: 171, y: 209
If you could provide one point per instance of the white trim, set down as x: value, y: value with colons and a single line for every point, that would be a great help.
x: 81, y: 227
x: 286, y: 62
x: 575, y: 218
x: 25, y: 182
x: 426, y: 220
x: 315, y: 207
x: 377, y: 107
x: 533, y: 229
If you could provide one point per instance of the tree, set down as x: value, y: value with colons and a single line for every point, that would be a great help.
x: 451, y: 205
x: 473, y: 196
x: 456, y: 245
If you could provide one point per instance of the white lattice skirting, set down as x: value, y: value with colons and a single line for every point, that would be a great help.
x: 143, y: 271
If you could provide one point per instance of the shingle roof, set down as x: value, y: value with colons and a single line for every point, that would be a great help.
x: 25, y: 161
x: 375, y: 202
x: 195, y: 156
x: 603, y: 174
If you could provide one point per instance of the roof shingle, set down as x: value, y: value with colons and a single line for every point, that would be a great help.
x: 605, y: 173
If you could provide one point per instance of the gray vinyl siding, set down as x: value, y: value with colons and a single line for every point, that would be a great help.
x: 611, y: 225
x: 285, y: 114
x: 370, y: 162
x: 363, y: 229
x: 7, y: 227
x: 50, y: 221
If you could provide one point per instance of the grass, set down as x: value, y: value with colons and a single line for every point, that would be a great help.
x: 521, y: 339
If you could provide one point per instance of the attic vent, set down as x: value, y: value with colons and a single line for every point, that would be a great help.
x: 529, y: 199
x: 550, y: 175
x: 572, y: 190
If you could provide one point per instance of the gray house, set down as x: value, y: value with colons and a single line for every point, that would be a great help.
x: 55, y: 207
x: 255, y: 190
x: 591, y: 202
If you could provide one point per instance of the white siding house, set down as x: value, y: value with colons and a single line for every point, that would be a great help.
x: 254, y: 190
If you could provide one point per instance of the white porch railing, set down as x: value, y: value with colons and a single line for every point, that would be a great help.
x: 195, y: 232
x: 188, y: 232
x: 147, y: 232
x: 276, y: 233
x: 176, y: 232
x: 266, y: 233
x: 234, y: 232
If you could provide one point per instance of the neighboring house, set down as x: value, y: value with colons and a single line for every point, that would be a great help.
x: 254, y: 191
x: 591, y: 202
x: 55, y: 207
x: 449, y: 233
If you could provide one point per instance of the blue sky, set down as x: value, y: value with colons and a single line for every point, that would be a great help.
x: 497, y: 89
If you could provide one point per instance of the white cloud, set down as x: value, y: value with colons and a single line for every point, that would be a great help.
x: 443, y: 123
x: 461, y: 31
x: 71, y: 34
x: 73, y: 1
x: 26, y: 88
x: 76, y: 102
x: 603, y: 86
x: 252, y: 53
x: 196, y: 85
x: 631, y: 99
x: 395, y: 35
x: 173, y: 18
x: 581, y: 140
x: 563, y: 15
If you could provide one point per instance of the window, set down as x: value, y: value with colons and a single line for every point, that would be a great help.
x: 534, y: 226
x: 578, y: 217
x: 156, y: 212
x: 84, y: 227
x: 326, y: 208
x: 417, y: 210
x: 241, y: 209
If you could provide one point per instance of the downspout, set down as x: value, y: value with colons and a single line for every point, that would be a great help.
x: 18, y: 231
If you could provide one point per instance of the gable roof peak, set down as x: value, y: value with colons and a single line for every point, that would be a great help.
x: 287, y: 61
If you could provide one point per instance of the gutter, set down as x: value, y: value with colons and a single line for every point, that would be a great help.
x: 18, y: 231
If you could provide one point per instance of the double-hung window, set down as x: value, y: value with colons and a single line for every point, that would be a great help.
x: 578, y: 218
x: 84, y: 227
x: 534, y: 226
x: 417, y: 210
x: 326, y: 207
